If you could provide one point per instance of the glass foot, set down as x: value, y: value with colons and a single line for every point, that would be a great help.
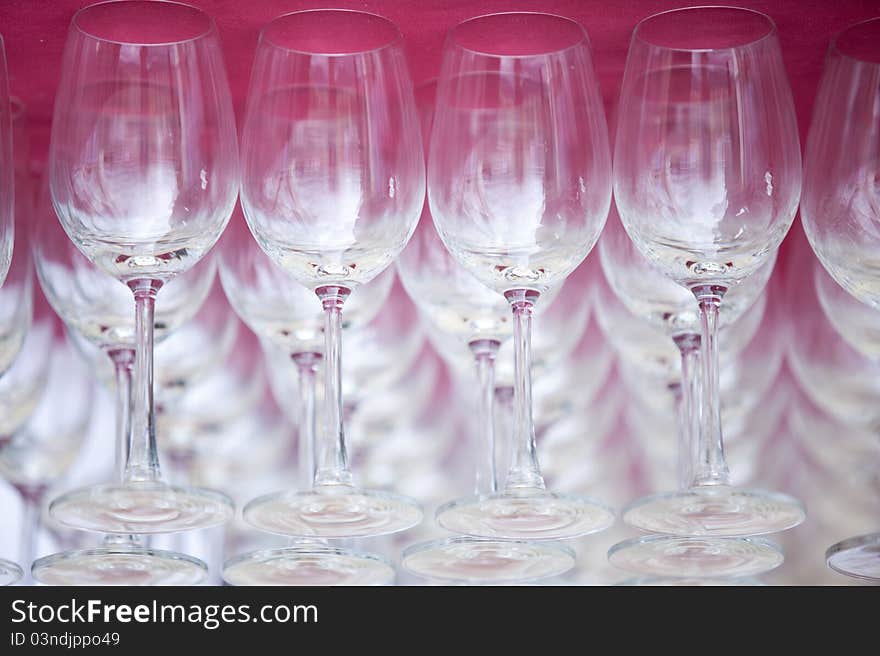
x: 525, y: 515
x: 139, y: 508
x: 690, y: 582
x: 9, y: 572
x: 308, y: 565
x: 119, y: 565
x: 333, y: 512
x: 477, y: 560
x: 717, y: 511
x: 708, y: 557
x: 858, y: 557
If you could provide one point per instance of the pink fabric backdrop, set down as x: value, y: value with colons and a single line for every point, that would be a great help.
x: 34, y: 31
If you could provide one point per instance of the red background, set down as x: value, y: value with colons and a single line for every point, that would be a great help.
x: 34, y: 31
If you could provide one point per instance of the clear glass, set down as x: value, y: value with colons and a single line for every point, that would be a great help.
x: 333, y: 181
x: 143, y: 171
x: 707, y: 179
x: 289, y: 316
x: 706, y: 557
x: 46, y: 445
x: 836, y: 377
x: 22, y: 462
x: 842, y: 168
x: 857, y: 557
x: 278, y: 308
x: 16, y: 292
x: 7, y: 172
x: 653, y: 298
x: 10, y: 573
x: 97, y: 305
x: 23, y: 383
x: 309, y: 565
x: 856, y: 322
x: 519, y: 181
x: 120, y: 559
x: 464, y: 559
x: 459, y: 306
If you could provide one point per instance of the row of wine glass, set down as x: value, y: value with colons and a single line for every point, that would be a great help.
x: 143, y: 175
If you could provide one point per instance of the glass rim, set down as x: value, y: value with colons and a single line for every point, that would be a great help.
x: 834, y: 47
x: 771, y: 33
x: 584, y: 39
x: 396, y: 41
x: 74, y: 23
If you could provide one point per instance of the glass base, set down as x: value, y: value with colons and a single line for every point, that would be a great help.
x: 9, y: 572
x: 119, y: 565
x: 717, y: 511
x: 690, y: 582
x: 308, y: 565
x: 857, y: 557
x: 141, y: 508
x: 477, y: 560
x: 333, y: 512
x: 708, y: 557
x: 525, y: 515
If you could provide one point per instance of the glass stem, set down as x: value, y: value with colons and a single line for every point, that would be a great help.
x: 307, y: 366
x: 142, y: 463
x: 687, y: 395
x: 123, y: 361
x: 30, y: 527
x: 524, y: 470
x: 504, y: 427
x: 486, y: 479
x: 332, y: 461
x: 710, y: 467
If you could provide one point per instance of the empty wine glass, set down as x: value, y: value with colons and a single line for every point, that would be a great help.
x: 653, y: 298
x: 333, y: 181
x: 842, y: 167
x: 519, y: 187
x: 856, y: 322
x: 7, y: 173
x: 706, y: 179
x: 21, y: 389
x: 289, y: 316
x: 457, y: 304
x: 143, y: 169
x: 39, y: 453
x: 16, y: 293
x: 837, y: 377
x: 840, y: 205
x: 96, y: 309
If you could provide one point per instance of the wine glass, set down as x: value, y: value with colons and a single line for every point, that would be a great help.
x: 16, y: 292
x: 653, y: 298
x: 7, y: 172
x: 96, y: 309
x: 706, y: 179
x: 840, y: 205
x: 333, y: 181
x: 838, y: 374
x: 21, y: 389
x: 842, y: 167
x: 143, y: 170
x: 38, y: 454
x: 519, y: 181
x: 856, y: 322
x: 457, y: 304
x: 289, y: 316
